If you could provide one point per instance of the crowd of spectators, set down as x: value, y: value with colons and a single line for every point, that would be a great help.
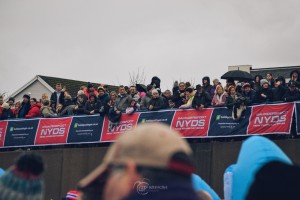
x: 89, y: 101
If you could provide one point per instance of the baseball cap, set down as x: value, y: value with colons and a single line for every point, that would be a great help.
x: 150, y: 145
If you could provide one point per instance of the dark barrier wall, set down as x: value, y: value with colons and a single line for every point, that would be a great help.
x: 66, y: 166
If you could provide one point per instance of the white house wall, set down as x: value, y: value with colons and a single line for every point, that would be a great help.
x: 36, y: 89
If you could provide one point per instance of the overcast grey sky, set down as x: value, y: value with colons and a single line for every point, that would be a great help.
x: 102, y: 41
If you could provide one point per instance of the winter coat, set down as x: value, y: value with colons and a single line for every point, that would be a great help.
x: 25, y: 107
x: 34, y: 111
x: 251, y: 97
x: 157, y: 103
x: 177, y: 99
x: 296, y: 82
x: 291, y: 95
x: 53, y: 98
x: 6, y: 114
x: 279, y: 92
x: 219, y: 100
x: 201, y: 99
x: 166, y: 100
x: 80, y: 108
x: 103, y: 99
x: 47, y: 111
x: 145, y: 102
x: 208, y: 87
x: 122, y: 102
x: 91, y: 106
x: 268, y: 92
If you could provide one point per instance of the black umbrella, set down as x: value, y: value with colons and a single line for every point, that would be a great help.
x: 141, y: 88
x: 237, y: 75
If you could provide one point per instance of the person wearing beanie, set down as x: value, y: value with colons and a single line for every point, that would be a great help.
x: 92, y: 106
x: 25, y: 106
x: 189, y: 96
x: 90, y: 90
x: 34, y: 109
x: 279, y: 89
x: 292, y: 94
x: 156, y: 102
x: 265, y: 93
x: 201, y: 99
x: 103, y: 99
x: 249, y: 94
x: 6, y: 113
x: 23, y: 181
x: 46, y: 110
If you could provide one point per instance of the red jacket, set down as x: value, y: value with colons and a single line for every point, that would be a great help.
x: 34, y: 111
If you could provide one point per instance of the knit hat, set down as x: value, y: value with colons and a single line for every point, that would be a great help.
x: 164, y: 150
x: 100, y: 88
x: 26, y: 96
x: 89, y: 85
x: 5, y: 105
x: 11, y: 99
x: 190, y: 90
x: 246, y: 85
x: 263, y: 81
x: 198, y: 87
x: 23, y: 180
x: 72, y: 195
x: 149, y: 87
x: 154, y: 91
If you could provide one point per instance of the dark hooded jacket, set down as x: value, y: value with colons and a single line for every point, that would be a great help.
x: 291, y: 95
x: 279, y: 91
x: 6, y: 114
x: 178, y: 101
x: 251, y: 97
x: 80, y: 106
x: 25, y: 107
x: 269, y: 95
x: 155, y: 80
x: 296, y: 82
x: 103, y: 99
x: 92, y: 105
x: 208, y: 87
x: 201, y: 99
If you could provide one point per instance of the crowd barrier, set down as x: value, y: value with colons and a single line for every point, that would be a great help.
x: 206, y: 123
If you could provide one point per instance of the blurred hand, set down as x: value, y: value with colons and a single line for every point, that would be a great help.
x: 151, y: 107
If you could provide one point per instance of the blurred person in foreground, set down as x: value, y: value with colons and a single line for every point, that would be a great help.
x: 23, y: 181
x: 160, y: 168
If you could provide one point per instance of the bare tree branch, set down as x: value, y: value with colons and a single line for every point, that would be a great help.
x: 137, y: 77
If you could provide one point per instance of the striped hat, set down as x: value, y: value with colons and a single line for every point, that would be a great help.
x: 22, y: 181
x: 72, y: 195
